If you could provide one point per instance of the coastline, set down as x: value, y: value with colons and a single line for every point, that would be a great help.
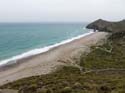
x: 47, y: 62
x: 37, y: 51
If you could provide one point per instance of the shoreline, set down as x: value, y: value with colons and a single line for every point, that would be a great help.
x: 37, y: 51
x: 47, y: 62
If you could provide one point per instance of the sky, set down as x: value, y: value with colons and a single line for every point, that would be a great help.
x: 61, y: 10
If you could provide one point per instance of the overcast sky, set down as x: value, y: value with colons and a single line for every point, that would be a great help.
x: 61, y: 10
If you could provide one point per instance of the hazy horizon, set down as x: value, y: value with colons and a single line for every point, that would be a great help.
x: 41, y: 11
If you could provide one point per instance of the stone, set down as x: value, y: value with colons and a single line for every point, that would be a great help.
x: 8, y: 91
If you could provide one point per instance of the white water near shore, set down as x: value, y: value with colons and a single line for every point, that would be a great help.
x: 40, y: 50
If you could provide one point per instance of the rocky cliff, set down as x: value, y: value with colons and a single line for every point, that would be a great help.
x: 106, y: 26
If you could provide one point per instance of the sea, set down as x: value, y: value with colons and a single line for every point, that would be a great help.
x: 20, y: 40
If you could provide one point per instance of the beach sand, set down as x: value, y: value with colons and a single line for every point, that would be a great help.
x: 49, y: 61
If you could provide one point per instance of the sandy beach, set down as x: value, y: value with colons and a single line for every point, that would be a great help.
x: 49, y: 61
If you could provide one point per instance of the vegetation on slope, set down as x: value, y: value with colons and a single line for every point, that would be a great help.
x: 110, y: 55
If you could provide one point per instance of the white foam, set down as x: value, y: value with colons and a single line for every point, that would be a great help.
x: 39, y: 50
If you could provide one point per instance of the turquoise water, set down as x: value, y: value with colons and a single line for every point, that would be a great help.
x: 17, y: 38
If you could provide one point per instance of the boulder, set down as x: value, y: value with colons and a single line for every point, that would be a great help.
x: 8, y: 91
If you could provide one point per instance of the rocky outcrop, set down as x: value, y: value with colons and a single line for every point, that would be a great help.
x: 105, y: 26
x: 8, y: 91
